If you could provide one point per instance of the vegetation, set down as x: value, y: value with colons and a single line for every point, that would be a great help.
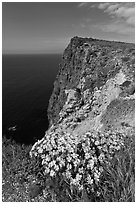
x: 24, y: 180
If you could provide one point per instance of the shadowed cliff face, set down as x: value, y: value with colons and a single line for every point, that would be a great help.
x: 88, y: 64
x: 91, y: 110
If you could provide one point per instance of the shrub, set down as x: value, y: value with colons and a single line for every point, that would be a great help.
x: 78, y: 161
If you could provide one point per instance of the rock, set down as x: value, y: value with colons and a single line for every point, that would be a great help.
x: 74, y: 64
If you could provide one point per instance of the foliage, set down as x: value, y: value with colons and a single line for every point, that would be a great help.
x: 118, y: 179
x: 79, y: 161
x: 116, y: 182
x: 18, y: 170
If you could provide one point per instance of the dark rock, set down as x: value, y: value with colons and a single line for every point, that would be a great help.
x: 126, y: 83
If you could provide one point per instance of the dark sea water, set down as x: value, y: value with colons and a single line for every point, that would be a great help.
x: 27, y: 83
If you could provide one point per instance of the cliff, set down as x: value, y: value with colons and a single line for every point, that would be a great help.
x: 88, y: 63
x: 91, y: 110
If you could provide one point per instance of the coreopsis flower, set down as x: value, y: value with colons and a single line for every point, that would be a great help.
x: 76, y: 162
x: 95, y: 159
x: 78, y: 177
x: 86, y: 149
x: 68, y: 174
x: 101, y: 157
x: 52, y: 173
x: 62, y: 163
x: 80, y: 187
x: 50, y: 164
x: 47, y: 170
x: 68, y: 158
x: 118, y: 147
x: 103, y: 140
x: 74, y: 155
x: 87, y: 155
x: 96, y: 177
x: 90, y: 164
x: 96, y: 142
x: 56, y: 167
x: 47, y: 158
x: 89, y: 180
x: 81, y: 170
x: 69, y: 166
x: 74, y: 182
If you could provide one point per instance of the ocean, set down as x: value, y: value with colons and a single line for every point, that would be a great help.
x: 27, y: 84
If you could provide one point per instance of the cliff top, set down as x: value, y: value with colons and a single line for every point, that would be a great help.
x: 78, y: 41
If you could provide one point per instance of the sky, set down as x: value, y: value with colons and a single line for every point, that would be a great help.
x: 47, y: 27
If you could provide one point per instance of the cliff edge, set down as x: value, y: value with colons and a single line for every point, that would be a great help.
x: 91, y: 111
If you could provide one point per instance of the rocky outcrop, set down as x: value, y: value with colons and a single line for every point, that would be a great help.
x: 88, y: 63
x: 91, y: 110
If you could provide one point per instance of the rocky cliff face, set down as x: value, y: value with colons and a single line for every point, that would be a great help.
x: 87, y: 64
x: 91, y: 110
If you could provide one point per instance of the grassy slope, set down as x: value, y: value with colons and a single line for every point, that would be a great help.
x: 23, y: 181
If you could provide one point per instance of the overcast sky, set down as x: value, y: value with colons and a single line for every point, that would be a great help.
x: 48, y: 27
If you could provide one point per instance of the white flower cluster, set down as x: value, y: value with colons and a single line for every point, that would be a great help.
x: 78, y: 159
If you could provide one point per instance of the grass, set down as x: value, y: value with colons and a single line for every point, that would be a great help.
x: 118, y: 180
x: 23, y: 180
x: 18, y: 171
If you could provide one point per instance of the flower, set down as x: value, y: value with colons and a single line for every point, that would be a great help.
x: 90, y: 164
x: 96, y: 177
x: 35, y: 154
x: 78, y: 177
x: 89, y: 180
x: 80, y: 187
x: 52, y: 173
x: 81, y: 170
x: 47, y: 170
x: 68, y: 174
x: 81, y: 157
x: 101, y: 157
x: 56, y: 167
x: 62, y: 163
x: 87, y: 155
x: 96, y: 142
x: 68, y: 158
x: 69, y: 166
x: 47, y: 158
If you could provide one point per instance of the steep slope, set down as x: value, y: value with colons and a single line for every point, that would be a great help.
x: 91, y: 110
